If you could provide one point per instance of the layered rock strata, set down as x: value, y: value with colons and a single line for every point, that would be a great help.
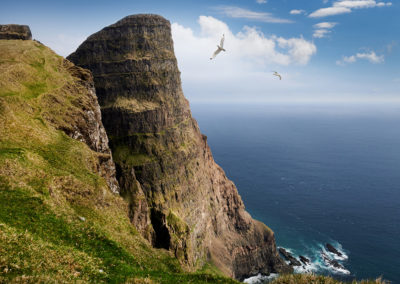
x: 180, y: 199
x: 15, y: 32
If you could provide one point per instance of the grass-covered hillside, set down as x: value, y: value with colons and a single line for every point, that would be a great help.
x: 59, y: 222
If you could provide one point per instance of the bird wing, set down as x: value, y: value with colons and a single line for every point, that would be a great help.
x: 277, y: 75
x: 222, y: 41
x: 215, y: 53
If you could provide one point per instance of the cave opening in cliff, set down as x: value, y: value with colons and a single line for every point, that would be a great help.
x: 162, y: 236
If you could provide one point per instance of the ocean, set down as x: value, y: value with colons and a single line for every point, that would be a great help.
x: 316, y: 174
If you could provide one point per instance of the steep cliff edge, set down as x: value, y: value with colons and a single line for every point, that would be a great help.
x: 61, y: 220
x: 179, y: 198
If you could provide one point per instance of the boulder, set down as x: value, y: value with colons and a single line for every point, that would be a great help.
x: 304, y: 260
x: 289, y: 257
x: 15, y: 32
x: 332, y: 249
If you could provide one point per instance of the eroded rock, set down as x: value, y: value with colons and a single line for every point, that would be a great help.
x: 180, y: 199
x: 15, y: 32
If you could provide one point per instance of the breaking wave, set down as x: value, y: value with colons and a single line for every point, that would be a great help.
x: 322, y: 261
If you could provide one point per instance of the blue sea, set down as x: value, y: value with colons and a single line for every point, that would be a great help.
x: 316, y: 174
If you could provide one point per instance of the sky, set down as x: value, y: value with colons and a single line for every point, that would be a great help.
x: 329, y: 51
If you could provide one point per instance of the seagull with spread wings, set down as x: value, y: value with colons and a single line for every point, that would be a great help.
x: 220, y: 48
x: 277, y: 75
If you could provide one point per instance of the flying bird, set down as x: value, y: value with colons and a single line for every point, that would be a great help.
x: 277, y: 75
x: 220, y: 48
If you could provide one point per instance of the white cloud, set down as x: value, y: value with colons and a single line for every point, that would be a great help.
x: 346, y: 6
x: 370, y: 56
x: 325, y: 25
x: 237, y: 12
x: 249, y: 45
x: 321, y: 33
x: 261, y: 1
x: 300, y: 50
x: 330, y: 11
x: 297, y: 12
x: 245, y: 68
x: 323, y: 29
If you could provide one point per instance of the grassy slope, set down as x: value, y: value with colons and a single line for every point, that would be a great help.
x: 48, y: 181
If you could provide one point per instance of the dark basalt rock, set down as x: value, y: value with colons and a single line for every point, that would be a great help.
x: 332, y: 262
x: 332, y: 249
x: 289, y: 257
x: 179, y: 198
x: 15, y: 32
x: 304, y: 260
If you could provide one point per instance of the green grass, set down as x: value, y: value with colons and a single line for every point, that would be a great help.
x: 124, y: 154
x: 49, y: 181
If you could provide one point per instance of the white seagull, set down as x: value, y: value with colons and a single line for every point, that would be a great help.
x: 220, y: 48
x: 277, y: 75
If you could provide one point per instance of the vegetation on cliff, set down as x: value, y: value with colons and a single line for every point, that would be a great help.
x: 180, y: 199
x: 59, y: 219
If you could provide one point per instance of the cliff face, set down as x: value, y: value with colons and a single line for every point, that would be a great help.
x: 179, y: 198
x: 59, y: 220
x: 84, y: 123
x: 15, y: 32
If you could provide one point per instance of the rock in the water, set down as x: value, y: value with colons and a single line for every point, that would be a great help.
x: 335, y: 264
x: 304, y: 260
x: 15, y: 32
x: 180, y: 199
x: 332, y: 249
x: 289, y: 257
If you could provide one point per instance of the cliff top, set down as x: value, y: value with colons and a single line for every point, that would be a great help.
x: 58, y: 220
x: 15, y: 32
x: 142, y: 20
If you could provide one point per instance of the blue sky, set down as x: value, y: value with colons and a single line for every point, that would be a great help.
x: 334, y: 51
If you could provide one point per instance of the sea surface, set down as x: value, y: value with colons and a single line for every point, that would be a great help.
x: 316, y: 174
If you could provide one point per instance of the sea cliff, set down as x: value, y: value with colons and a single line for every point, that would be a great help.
x: 62, y: 219
x: 179, y: 198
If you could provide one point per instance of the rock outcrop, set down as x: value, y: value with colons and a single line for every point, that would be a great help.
x: 84, y: 124
x: 332, y: 249
x: 289, y: 257
x: 180, y: 199
x: 15, y: 32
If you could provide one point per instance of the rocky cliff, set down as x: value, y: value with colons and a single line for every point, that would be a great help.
x: 15, y: 32
x: 179, y: 198
x: 61, y: 220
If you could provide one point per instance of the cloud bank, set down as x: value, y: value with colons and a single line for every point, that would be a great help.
x: 297, y: 12
x: 323, y: 29
x: 249, y: 45
x: 237, y: 12
x: 370, y: 56
x: 245, y: 69
x: 346, y: 6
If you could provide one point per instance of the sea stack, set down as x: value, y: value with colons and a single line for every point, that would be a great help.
x: 180, y: 199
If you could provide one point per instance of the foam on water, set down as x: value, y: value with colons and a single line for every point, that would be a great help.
x: 258, y: 279
x: 339, y: 248
x: 317, y: 262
